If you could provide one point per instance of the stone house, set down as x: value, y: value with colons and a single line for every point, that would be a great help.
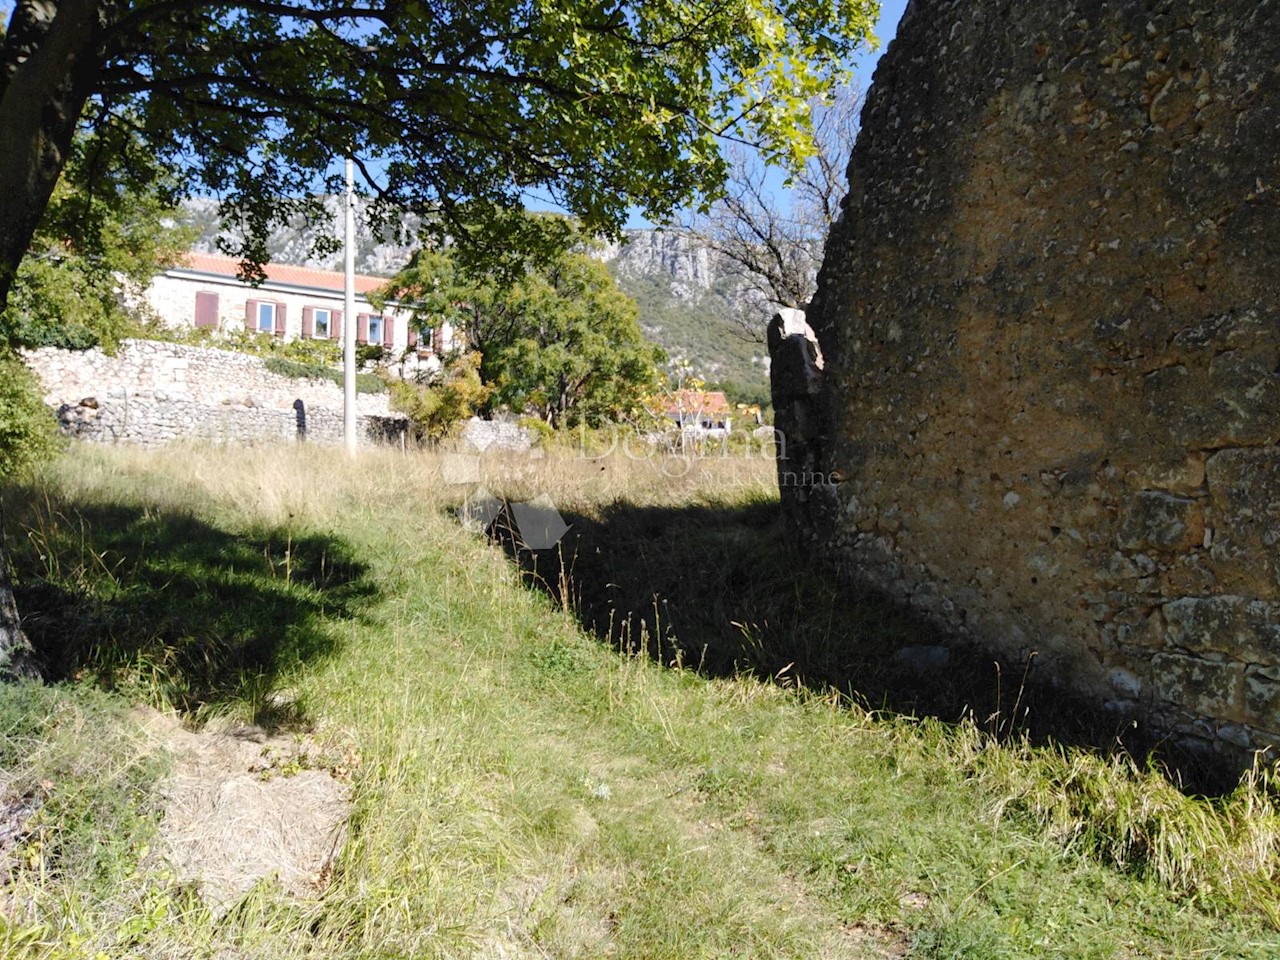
x: 204, y: 291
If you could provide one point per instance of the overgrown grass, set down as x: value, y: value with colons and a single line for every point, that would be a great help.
x: 79, y: 790
x: 525, y: 789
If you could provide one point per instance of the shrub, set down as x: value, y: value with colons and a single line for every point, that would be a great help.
x: 28, y: 431
x: 365, y: 382
x: 437, y: 406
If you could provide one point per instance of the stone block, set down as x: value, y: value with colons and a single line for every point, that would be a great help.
x: 1208, y: 688
x: 794, y: 370
x: 1215, y: 399
x: 1244, y: 496
x: 1262, y: 696
x: 1236, y: 627
x: 1161, y: 521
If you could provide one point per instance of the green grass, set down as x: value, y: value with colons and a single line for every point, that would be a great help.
x: 525, y: 789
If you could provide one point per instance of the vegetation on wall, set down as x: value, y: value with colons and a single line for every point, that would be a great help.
x: 297, y: 358
x: 365, y: 382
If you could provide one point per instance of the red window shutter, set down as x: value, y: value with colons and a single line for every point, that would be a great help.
x: 280, y: 327
x: 335, y: 325
x: 388, y: 331
x: 413, y: 336
x: 437, y: 339
x: 206, y: 309
x: 251, y: 316
x: 308, y: 322
x: 362, y: 328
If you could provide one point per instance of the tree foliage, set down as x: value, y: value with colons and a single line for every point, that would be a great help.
x: 102, y: 239
x: 453, y: 109
x: 28, y: 433
x: 555, y: 336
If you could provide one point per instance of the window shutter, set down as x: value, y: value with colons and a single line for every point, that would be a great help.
x: 335, y: 325
x: 251, y: 316
x: 413, y: 336
x: 388, y: 331
x: 437, y: 339
x: 280, y: 327
x: 362, y: 328
x: 206, y: 309
x: 308, y: 322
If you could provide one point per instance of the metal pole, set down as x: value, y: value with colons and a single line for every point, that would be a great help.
x: 349, y: 319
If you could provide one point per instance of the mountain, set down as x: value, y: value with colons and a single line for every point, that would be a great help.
x: 708, y: 321
x: 294, y: 242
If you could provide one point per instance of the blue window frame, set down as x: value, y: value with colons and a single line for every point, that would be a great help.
x: 266, y: 318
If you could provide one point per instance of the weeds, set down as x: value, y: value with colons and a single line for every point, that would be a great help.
x: 522, y: 789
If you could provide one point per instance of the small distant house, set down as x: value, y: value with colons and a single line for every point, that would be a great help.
x: 700, y: 413
x: 293, y: 302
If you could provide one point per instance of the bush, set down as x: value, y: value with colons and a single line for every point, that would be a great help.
x: 436, y: 407
x: 539, y: 428
x: 28, y: 431
x: 365, y: 382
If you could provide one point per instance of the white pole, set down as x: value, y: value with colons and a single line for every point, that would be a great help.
x: 349, y: 319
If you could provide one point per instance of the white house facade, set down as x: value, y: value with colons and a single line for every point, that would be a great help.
x: 293, y: 302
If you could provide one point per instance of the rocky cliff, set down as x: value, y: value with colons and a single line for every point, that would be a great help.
x: 1050, y: 318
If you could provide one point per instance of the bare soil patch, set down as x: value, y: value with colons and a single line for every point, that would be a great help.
x: 242, y: 806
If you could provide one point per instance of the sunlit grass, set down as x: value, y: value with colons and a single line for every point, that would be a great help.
x: 523, y: 789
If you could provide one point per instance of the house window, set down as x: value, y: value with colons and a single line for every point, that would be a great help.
x: 323, y: 319
x: 428, y: 336
x: 375, y: 328
x: 266, y: 318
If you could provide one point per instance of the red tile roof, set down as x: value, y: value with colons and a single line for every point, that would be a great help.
x: 708, y: 403
x: 279, y: 272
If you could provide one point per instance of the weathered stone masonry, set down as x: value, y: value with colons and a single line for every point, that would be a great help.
x: 1050, y: 317
x: 152, y: 392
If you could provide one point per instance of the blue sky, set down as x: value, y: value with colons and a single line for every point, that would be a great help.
x: 890, y: 13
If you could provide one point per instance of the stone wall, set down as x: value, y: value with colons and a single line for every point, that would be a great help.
x: 151, y: 392
x: 1050, y: 318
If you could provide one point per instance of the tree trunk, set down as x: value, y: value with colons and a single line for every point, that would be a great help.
x: 50, y: 60
x: 17, y: 659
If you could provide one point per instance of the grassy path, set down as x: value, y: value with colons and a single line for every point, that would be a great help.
x: 523, y: 791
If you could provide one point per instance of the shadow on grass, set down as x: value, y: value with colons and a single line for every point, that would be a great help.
x: 200, y: 616
x: 716, y: 589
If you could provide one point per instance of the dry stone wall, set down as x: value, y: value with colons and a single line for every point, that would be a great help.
x: 152, y: 392
x: 1050, y: 319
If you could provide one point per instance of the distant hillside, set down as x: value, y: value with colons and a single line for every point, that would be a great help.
x: 689, y: 304
x: 294, y: 242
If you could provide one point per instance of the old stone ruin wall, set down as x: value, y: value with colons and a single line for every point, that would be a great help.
x: 1050, y: 322
x: 152, y: 392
